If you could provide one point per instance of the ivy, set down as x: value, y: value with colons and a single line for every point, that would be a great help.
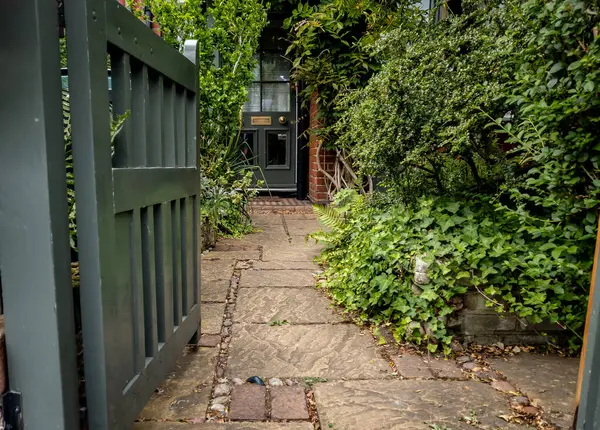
x: 486, y: 150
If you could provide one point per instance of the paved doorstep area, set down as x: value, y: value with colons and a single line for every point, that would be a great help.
x: 262, y: 316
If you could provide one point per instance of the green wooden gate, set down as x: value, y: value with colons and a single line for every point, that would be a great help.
x: 137, y: 211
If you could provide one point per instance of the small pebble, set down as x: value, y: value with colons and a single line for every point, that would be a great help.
x: 520, y: 400
x: 221, y: 390
x: 237, y: 381
x: 227, y: 323
x: 516, y: 349
x: 499, y: 345
x: 255, y: 380
x: 223, y: 381
x: 289, y: 382
x: 275, y: 382
x: 530, y: 410
x: 503, y: 386
x: 218, y: 407
x: 463, y: 359
x: 470, y: 366
x: 220, y: 400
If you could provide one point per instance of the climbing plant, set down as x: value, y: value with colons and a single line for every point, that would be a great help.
x: 487, y: 148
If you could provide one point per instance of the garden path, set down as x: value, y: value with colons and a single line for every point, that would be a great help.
x: 262, y: 316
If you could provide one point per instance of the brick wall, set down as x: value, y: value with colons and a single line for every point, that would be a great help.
x: 140, y: 5
x: 317, y: 188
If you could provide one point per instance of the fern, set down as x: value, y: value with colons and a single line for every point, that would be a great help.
x: 329, y: 216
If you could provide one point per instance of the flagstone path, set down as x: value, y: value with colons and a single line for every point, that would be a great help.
x: 262, y: 316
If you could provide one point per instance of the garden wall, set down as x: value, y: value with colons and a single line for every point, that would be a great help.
x: 317, y: 188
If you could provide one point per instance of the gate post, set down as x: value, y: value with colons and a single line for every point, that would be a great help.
x: 34, y: 246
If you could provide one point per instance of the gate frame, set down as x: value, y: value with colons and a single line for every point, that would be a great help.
x: 34, y: 244
x: 104, y: 191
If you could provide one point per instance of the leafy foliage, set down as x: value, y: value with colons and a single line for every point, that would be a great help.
x: 487, y: 151
x: 330, y: 46
x: 466, y: 244
x: 234, y: 35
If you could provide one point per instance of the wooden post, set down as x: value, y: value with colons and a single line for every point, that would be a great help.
x: 587, y: 323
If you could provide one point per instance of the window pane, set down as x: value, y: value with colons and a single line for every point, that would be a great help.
x: 275, y: 67
x: 276, y: 97
x: 247, y: 147
x: 257, y: 68
x: 253, y: 103
x: 276, y: 149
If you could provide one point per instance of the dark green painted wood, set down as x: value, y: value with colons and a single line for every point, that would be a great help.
x: 121, y: 98
x: 139, y: 113
x: 168, y: 125
x: 155, y: 131
x: 149, y: 282
x: 187, y: 254
x: 164, y: 271
x: 137, y: 282
x: 177, y: 272
x: 588, y: 413
x: 140, y: 42
x: 34, y: 247
x: 130, y: 219
x: 144, y: 187
x: 180, y: 129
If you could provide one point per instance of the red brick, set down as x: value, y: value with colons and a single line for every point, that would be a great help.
x: 288, y: 403
x: 248, y: 403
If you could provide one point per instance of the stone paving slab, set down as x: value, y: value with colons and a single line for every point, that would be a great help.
x: 288, y: 253
x: 326, y: 351
x: 185, y: 392
x: 294, y: 305
x: 211, y: 317
x: 276, y: 278
x: 264, y: 238
x: 267, y: 220
x: 248, y: 403
x: 412, y: 366
x: 310, y: 216
x: 222, y: 426
x: 302, y: 243
x: 232, y: 255
x: 288, y: 403
x: 409, y: 405
x: 211, y: 270
x: 214, y: 290
x: 549, y: 381
x: 285, y: 265
x: 303, y: 227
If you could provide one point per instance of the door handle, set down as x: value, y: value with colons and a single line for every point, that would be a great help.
x: 282, y: 120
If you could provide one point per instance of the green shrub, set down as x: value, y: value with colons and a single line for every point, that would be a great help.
x: 372, y: 252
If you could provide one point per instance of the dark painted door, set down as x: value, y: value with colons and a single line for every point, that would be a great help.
x: 269, y: 129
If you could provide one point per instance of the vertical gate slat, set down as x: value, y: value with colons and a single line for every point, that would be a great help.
x: 191, y: 125
x: 140, y: 111
x: 164, y: 270
x: 155, y: 151
x: 197, y: 241
x: 149, y: 274
x: 177, y: 274
x: 138, y: 292
x: 180, y: 130
x: 187, y: 254
x: 169, y: 124
x: 121, y: 91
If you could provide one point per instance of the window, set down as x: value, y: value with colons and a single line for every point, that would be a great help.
x: 270, y: 91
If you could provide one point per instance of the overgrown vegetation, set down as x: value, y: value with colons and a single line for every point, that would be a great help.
x: 233, y: 34
x: 483, y: 131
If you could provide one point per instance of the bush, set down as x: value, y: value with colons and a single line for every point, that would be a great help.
x: 487, y: 148
x: 373, y: 251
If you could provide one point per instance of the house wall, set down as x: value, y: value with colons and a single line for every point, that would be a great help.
x: 317, y: 188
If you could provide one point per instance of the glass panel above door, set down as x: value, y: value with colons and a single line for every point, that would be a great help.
x: 275, y: 67
x: 253, y: 103
x: 276, y: 97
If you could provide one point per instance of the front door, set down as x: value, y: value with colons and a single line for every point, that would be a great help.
x: 269, y: 129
